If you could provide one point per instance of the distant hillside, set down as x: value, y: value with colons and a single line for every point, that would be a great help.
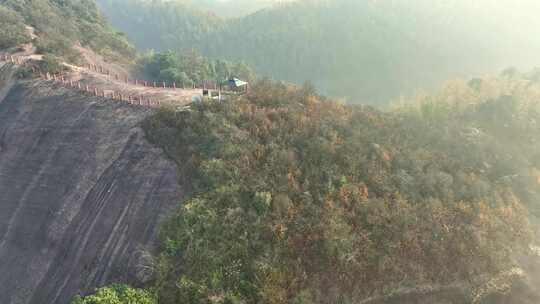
x: 160, y: 25
x: 367, y: 51
x: 235, y: 8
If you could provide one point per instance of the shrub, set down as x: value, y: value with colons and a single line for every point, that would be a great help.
x: 117, y: 294
x: 24, y: 72
x: 12, y: 29
x: 58, y: 47
x: 298, y: 199
x: 51, y: 64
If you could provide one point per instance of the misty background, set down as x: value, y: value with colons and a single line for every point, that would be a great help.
x: 368, y: 51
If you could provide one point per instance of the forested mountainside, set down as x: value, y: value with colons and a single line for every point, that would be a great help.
x: 236, y: 8
x: 277, y: 194
x: 59, y: 26
x: 368, y: 51
x: 299, y: 199
x: 160, y: 25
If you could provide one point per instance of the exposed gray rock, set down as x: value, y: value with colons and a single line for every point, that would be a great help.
x: 81, y: 193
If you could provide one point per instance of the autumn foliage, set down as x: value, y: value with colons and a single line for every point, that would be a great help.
x: 298, y: 199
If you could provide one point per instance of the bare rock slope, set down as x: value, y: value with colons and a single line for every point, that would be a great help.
x: 81, y: 192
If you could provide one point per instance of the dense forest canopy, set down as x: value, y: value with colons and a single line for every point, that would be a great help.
x: 299, y: 199
x: 160, y: 25
x: 367, y: 51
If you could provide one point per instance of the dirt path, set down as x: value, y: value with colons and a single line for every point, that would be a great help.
x: 107, y: 83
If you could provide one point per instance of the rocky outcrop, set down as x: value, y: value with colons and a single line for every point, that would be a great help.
x: 81, y: 192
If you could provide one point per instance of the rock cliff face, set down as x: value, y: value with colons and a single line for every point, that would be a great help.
x: 81, y: 192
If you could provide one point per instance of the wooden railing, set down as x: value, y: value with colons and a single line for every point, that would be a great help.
x: 63, y: 79
x: 204, y: 85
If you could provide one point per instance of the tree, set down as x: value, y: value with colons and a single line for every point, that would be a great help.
x: 117, y: 294
x: 60, y: 25
x: 12, y: 30
x: 190, y: 67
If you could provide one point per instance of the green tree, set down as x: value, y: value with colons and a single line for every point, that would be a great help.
x: 117, y: 294
x: 190, y: 67
x: 12, y: 30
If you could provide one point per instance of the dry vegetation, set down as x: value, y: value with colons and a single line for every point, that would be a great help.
x: 302, y: 200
